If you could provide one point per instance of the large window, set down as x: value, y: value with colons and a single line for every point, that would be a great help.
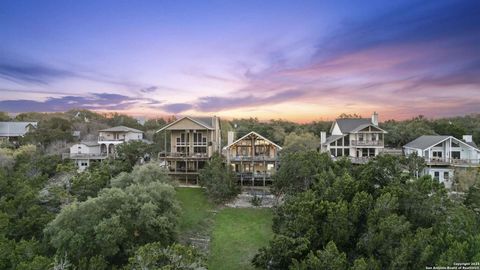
x: 340, y: 142
x: 339, y: 152
x: 346, y: 140
x: 346, y: 151
x: 437, y: 154
x: 456, y: 154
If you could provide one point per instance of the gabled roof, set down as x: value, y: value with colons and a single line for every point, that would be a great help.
x: 347, y: 125
x: 427, y: 141
x: 255, y: 134
x: 333, y: 138
x: 121, y: 129
x: 360, y: 127
x: 207, y: 122
x: 14, y: 129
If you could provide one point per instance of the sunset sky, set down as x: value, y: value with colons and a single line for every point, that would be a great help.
x: 296, y: 60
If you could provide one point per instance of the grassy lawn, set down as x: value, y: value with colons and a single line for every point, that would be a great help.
x: 237, y: 235
x: 196, y: 209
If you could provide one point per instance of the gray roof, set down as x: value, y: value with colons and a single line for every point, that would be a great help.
x: 207, y: 121
x: 425, y: 141
x: 333, y: 138
x: 14, y: 129
x: 347, y: 125
x: 472, y: 144
x: 121, y: 129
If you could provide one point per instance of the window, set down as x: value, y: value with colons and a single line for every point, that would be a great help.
x: 200, y: 149
x: 437, y: 154
x: 346, y: 151
x: 455, y: 144
x: 340, y: 142
x: 332, y: 151
x: 445, y: 176
x: 456, y: 154
x: 436, y: 175
x: 346, y: 140
x: 339, y: 152
x: 360, y: 137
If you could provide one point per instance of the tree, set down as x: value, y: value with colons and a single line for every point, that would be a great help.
x: 143, y: 174
x: 155, y: 256
x: 329, y: 259
x: 4, y: 116
x: 219, y: 181
x: 299, y: 170
x: 116, y: 222
x: 296, y: 142
x: 132, y: 151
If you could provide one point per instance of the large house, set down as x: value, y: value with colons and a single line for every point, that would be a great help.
x: 252, y: 157
x: 110, y: 137
x: 356, y: 138
x: 444, y: 154
x: 12, y: 131
x: 85, y: 152
x: 192, y: 140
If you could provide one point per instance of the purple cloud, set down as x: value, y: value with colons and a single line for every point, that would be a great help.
x: 100, y: 101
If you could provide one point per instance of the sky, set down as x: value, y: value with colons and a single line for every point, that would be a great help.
x: 295, y: 60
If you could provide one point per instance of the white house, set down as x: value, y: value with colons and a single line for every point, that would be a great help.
x: 110, y: 137
x: 356, y: 138
x: 443, y: 154
x: 12, y: 131
x: 85, y: 152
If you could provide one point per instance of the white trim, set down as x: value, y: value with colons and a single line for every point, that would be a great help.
x: 254, y: 133
x: 174, y: 122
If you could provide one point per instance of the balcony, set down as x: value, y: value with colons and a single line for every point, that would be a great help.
x: 256, y: 175
x: 84, y: 156
x: 183, y: 155
x: 366, y: 143
x: 452, y: 161
x: 106, y: 139
x: 253, y: 158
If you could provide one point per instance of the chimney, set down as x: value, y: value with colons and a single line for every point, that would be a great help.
x: 375, y: 118
x: 231, y: 136
x: 467, y: 138
x: 323, y: 137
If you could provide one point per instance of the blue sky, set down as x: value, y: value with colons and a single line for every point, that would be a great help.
x: 297, y: 60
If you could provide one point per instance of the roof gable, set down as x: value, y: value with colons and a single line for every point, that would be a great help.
x: 347, y: 125
x: 254, y: 134
x: 188, y: 123
x: 121, y: 129
x: 427, y: 141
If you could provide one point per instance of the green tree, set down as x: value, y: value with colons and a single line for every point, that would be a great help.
x: 155, y: 256
x: 116, y: 222
x: 220, y: 182
x: 298, y: 142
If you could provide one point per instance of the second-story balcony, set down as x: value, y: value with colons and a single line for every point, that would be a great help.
x: 253, y: 158
x: 366, y: 143
x: 107, y: 139
x: 84, y: 155
x: 183, y: 155
x: 452, y: 161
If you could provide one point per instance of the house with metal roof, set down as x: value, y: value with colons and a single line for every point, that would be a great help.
x: 356, y: 138
x: 192, y: 141
x: 253, y: 158
x: 443, y: 154
x: 12, y: 131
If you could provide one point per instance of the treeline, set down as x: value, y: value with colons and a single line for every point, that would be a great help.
x: 375, y: 216
x: 113, y: 216
x: 58, y: 127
